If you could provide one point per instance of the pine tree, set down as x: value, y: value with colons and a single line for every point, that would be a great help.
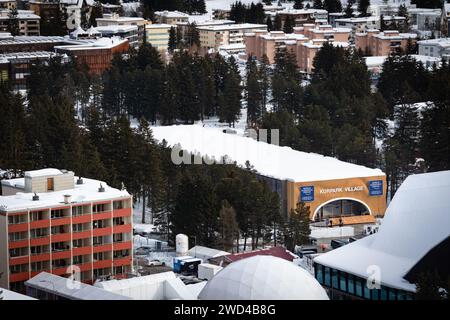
x: 13, y: 22
x: 278, y: 23
x: 428, y: 286
x: 317, y: 4
x: 230, y: 99
x: 96, y: 12
x: 332, y: 5
x: 229, y: 226
x: 253, y: 93
x: 298, y: 4
x: 289, y: 24
x: 297, y: 229
x: 363, y: 5
x: 172, y: 40
x: 269, y: 24
x: 349, y: 8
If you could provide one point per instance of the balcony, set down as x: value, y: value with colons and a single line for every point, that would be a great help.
x: 61, y: 254
x: 126, y: 212
x: 86, y: 266
x: 122, y: 245
x: 81, y: 234
x: 81, y: 251
x: 18, y: 244
x: 122, y: 261
x: 102, y: 232
x: 102, y: 247
x: 60, y: 271
x: 18, y: 260
x: 60, y: 237
x: 60, y: 221
x: 101, y: 215
x: 82, y: 219
x: 102, y: 264
x: 21, y: 276
x: 125, y: 228
x: 40, y: 241
x: 45, y: 256
x: 18, y: 227
x: 40, y: 224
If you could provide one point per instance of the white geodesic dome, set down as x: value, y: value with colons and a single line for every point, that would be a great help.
x: 263, y: 278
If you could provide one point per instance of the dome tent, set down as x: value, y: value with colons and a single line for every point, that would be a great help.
x: 263, y: 278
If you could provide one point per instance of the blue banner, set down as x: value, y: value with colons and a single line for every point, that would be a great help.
x: 307, y: 193
x: 376, y: 188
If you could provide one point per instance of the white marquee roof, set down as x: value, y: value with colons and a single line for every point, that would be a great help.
x: 416, y: 220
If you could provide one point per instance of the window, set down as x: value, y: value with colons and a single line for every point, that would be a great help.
x: 17, y: 236
x: 392, y: 294
x: 121, y: 253
x: 18, y: 268
x: 36, y: 215
x: 77, y: 243
x: 59, y: 263
x: 37, y: 233
x: 50, y: 184
x: 351, y: 284
x: 57, y: 214
x: 57, y: 229
x: 119, y: 221
x: 38, y: 266
x: 99, y: 224
x: 20, y: 218
x: 77, y: 227
x: 18, y: 252
x: 335, y: 279
x: 375, y: 294
x: 77, y: 211
x: 96, y: 208
x: 118, y: 237
x: 97, y: 241
x: 366, y: 290
x: 319, y: 273
x: 327, y: 277
x: 118, y: 270
x: 38, y: 250
x: 342, y: 281
x: 60, y: 246
x: 98, y: 256
x: 77, y: 259
x: 118, y: 205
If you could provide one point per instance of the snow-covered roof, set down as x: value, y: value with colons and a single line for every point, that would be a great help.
x: 441, y: 42
x: 11, y: 295
x: 227, y: 27
x: 158, y: 26
x: 416, y: 220
x: 205, y: 252
x: 115, y: 28
x: 263, y: 278
x: 69, y: 289
x: 82, y: 193
x: 171, y: 14
x: 268, y: 159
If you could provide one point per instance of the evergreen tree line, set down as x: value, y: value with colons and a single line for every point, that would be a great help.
x: 252, y: 13
x: 215, y: 205
x: 188, y: 89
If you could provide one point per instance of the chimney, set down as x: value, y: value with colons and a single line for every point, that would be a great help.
x: 101, y: 189
x: 80, y: 180
x: 67, y: 198
x: 35, y: 197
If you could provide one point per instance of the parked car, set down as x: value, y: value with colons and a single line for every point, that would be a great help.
x: 142, y: 251
x: 336, y: 243
x: 153, y: 262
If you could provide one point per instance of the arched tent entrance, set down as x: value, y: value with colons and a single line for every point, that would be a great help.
x: 341, y: 207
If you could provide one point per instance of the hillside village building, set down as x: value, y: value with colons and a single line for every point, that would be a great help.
x: 374, y: 42
x: 330, y: 188
x: 29, y: 22
x: 438, y: 48
x: 171, y: 17
x: 52, y: 221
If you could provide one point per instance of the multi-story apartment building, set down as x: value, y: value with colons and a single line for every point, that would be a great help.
x: 439, y: 48
x: 128, y: 32
x: 171, y: 17
x: 376, y: 43
x: 115, y: 19
x: 158, y: 35
x: 29, y: 22
x: 302, y: 16
x: 52, y: 221
x: 303, y: 43
x: 215, y: 36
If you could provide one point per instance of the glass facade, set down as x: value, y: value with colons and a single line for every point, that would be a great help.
x: 351, y: 285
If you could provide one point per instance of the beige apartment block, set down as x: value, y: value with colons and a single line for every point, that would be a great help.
x: 215, y: 36
x: 171, y: 17
x: 158, y: 35
x: 376, y: 43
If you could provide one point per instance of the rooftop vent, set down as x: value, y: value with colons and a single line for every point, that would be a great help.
x: 67, y: 198
x: 35, y: 197
x: 80, y: 180
x: 101, y: 189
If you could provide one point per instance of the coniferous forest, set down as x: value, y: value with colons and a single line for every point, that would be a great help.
x: 73, y: 120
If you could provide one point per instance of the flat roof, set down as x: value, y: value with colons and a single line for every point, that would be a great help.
x: 69, y: 289
x: 81, y: 193
x: 268, y: 159
x: 232, y: 27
